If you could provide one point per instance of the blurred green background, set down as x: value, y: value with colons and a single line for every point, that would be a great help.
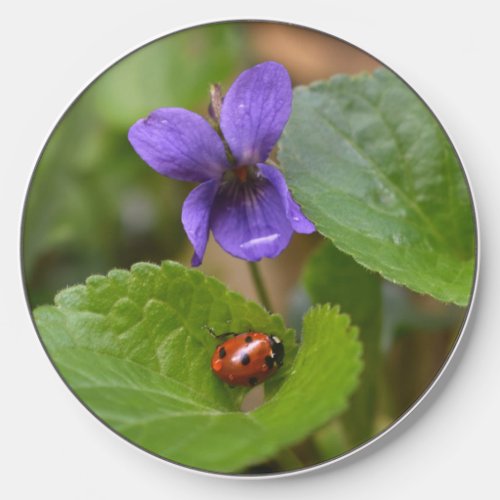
x: 94, y: 205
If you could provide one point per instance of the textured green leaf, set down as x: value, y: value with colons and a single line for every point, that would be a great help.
x: 133, y: 347
x: 334, y: 277
x: 373, y: 169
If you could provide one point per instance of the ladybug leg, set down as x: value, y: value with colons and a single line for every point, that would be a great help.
x: 211, y: 331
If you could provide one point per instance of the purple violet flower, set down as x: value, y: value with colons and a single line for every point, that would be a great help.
x: 244, y: 201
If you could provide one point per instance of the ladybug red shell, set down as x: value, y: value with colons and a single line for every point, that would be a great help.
x: 248, y: 358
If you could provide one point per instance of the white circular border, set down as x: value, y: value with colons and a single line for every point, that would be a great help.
x: 447, y: 446
x: 451, y: 354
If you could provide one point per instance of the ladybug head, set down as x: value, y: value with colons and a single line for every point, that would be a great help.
x: 278, y: 349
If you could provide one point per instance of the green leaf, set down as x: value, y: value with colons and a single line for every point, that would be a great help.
x: 334, y: 277
x: 373, y: 169
x: 134, y: 349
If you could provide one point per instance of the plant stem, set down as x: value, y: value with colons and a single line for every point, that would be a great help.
x: 288, y: 460
x: 259, y: 286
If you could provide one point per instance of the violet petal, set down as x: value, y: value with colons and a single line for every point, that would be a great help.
x: 249, y: 220
x: 196, y: 216
x: 255, y: 111
x: 300, y: 223
x: 179, y: 144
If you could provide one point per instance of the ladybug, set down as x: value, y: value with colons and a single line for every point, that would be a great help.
x: 247, y: 359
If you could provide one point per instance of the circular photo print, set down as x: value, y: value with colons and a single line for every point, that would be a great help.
x: 249, y: 248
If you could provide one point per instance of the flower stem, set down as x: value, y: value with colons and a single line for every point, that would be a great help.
x: 259, y: 285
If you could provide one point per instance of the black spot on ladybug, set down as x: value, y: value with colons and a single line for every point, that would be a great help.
x: 252, y: 381
x: 245, y: 359
x: 222, y: 352
x: 269, y: 361
x: 248, y: 339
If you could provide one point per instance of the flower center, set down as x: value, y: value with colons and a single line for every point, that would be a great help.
x: 241, y: 173
x: 243, y: 177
